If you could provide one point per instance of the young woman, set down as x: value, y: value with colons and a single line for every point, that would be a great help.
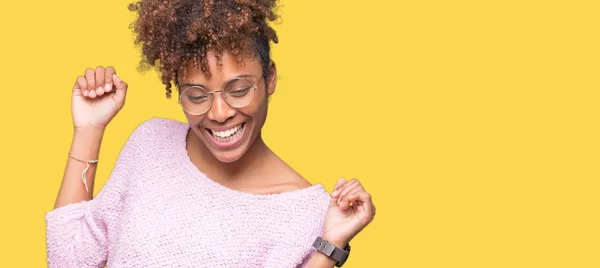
x: 209, y: 192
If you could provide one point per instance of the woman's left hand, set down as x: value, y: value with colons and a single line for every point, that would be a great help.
x: 351, y: 210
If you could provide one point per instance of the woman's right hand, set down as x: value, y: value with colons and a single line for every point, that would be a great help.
x: 97, y: 97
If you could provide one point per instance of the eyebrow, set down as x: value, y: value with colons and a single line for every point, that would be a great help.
x: 201, y: 85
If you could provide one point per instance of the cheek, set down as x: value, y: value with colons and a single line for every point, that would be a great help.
x: 194, y: 120
x: 257, y: 112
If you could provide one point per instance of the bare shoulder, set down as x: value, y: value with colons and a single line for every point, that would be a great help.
x: 281, y: 177
x: 287, y: 179
x: 296, y: 184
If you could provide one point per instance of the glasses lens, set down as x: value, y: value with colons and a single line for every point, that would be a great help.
x: 239, y: 92
x: 195, y: 100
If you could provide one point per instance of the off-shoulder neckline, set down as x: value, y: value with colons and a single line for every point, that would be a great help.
x: 191, y: 167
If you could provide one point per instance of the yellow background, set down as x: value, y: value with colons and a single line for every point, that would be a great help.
x: 474, y: 124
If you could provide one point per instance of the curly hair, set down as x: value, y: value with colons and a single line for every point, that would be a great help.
x: 173, y: 32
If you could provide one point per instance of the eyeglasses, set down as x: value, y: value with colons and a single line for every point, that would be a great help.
x: 237, y: 93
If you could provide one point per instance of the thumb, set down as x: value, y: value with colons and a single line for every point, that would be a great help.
x: 121, y: 88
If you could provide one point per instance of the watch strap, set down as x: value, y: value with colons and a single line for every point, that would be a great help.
x: 338, y: 254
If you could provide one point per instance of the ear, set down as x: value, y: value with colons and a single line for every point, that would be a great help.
x: 271, y: 78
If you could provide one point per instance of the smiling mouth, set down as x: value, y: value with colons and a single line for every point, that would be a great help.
x: 227, y: 135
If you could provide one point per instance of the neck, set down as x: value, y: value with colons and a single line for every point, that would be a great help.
x: 256, y: 154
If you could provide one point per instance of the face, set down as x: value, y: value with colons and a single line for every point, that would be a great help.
x: 225, y: 131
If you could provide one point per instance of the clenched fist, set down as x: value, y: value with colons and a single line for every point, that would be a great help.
x: 98, y: 96
x: 350, y: 211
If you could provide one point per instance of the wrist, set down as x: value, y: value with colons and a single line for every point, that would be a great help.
x: 337, y: 250
x: 88, y: 135
x: 86, y: 143
x: 340, y: 243
x: 88, y: 131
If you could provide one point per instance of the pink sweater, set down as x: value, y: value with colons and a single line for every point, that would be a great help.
x: 158, y: 210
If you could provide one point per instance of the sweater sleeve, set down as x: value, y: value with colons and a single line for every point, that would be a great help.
x: 77, y: 234
x: 309, y: 251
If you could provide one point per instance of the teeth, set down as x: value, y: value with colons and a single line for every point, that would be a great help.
x: 227, y: 133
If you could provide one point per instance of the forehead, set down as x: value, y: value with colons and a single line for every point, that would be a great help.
x: 228, y: 68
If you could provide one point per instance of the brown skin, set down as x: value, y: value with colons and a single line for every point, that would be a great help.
x: 252, y: 166
x: 208, y: 42
x: 96, y: 97
x: 204, y: 42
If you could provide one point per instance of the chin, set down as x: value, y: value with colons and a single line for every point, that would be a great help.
x: 228, y: 157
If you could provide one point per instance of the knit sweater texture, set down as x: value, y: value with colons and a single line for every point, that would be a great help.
x: 157, y: 209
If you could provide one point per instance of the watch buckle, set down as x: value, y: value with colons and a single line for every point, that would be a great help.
x: 328, y: 249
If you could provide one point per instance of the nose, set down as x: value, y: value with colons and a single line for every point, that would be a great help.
x: 220, y: 111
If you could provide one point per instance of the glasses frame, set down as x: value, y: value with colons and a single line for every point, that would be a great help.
x: 212, y: 94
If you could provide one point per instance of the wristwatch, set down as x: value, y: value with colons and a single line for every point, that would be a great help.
x: 331, y: 251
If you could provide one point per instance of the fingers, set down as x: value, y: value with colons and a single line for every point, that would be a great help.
x: 108, y: 78
x: 348, y: 187
x: 344, y: 201
x: 353, y: 193
x: 341, y: 193
x: 365, y: 205
x: 80, y: 87
x: 90, y: 77
x: 100, y: 80
x: 340, y: 182
x: 352, y: 198
x: 96, y: 82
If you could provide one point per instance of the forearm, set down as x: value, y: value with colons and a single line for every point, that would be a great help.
x: 319, y: 260
x: 85, y: 146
